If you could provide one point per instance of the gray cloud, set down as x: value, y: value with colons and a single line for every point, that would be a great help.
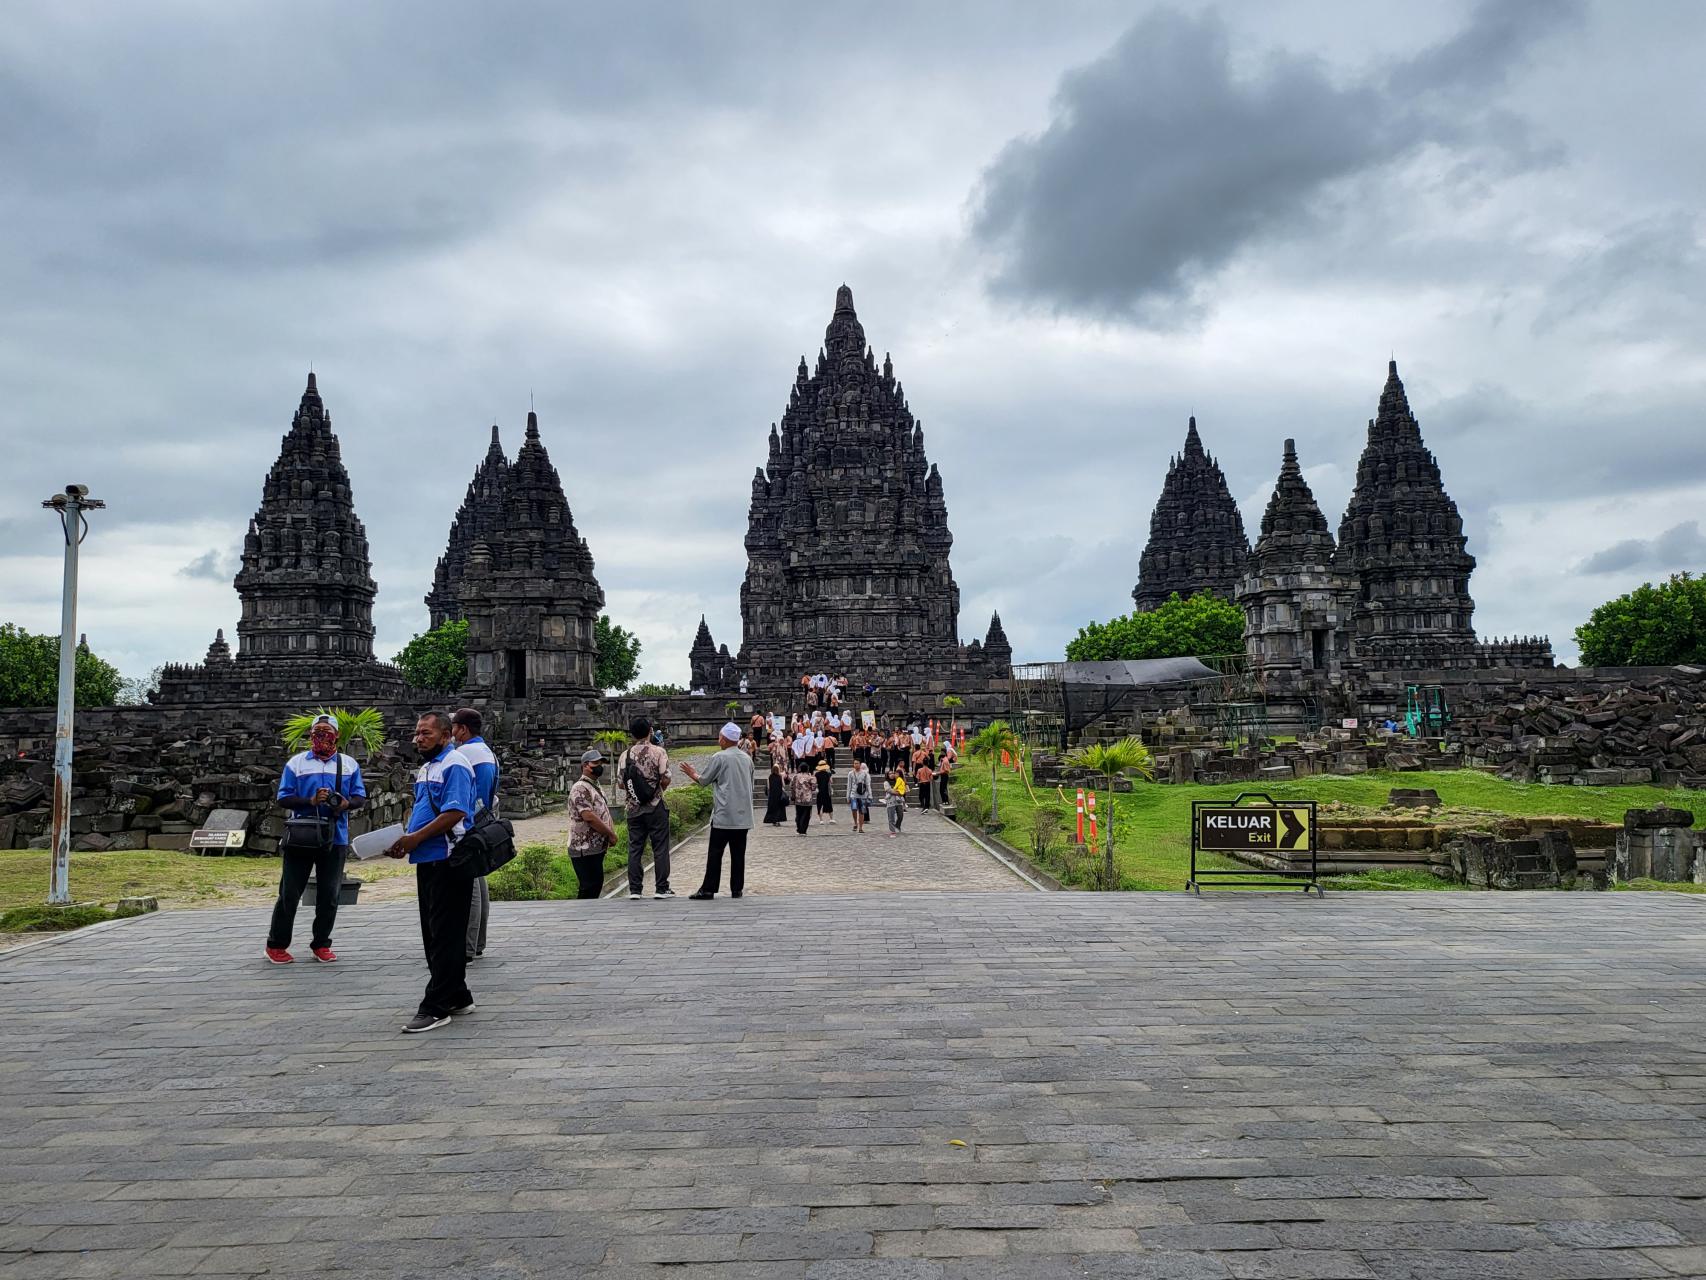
x: 1162, y: 161
x: 212, y: 565
x: 1681, y: 547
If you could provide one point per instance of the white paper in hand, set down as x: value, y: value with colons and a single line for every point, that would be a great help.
x: 375, y: 843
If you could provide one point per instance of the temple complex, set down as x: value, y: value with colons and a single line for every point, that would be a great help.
x: 306, y: 586
x: 1196, y: 534
x: 517, y: 571
x: 847, y: 537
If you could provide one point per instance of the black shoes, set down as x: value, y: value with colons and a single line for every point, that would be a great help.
x: 700, y: 897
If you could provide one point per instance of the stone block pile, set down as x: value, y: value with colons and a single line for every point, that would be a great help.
x: 1648, y: 729
x: 1659, y: 844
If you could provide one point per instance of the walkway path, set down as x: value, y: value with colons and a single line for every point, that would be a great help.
x: 915, y: 1086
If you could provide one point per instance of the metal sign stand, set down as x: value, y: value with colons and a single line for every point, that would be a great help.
x: 1269, y: 826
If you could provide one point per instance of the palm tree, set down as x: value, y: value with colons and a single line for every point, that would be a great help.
x: 991, y: 740
x: 1111, y: 759
x: 612, y: 742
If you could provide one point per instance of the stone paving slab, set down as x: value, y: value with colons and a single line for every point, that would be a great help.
x: 1428, y: 1085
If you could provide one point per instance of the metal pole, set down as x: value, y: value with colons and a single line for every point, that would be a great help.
x: 70, y: 507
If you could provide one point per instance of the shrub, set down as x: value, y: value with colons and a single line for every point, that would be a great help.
x: 532, y: 876
x: 1202, y: 625
x: 972, y: 807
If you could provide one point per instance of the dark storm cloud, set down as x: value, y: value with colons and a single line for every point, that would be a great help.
x: 1681, y: 547
x: 1162, y: 161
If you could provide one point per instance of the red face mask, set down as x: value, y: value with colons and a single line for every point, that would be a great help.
x: 323, y: 742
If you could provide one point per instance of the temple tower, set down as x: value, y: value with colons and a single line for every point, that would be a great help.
x: 1196, y: 534
x: 847, y: 537
x: 1402, y: 539
x: 476, y: 520
x: 1297, y: 607
x: 306, y: 582
x: 526, y: 583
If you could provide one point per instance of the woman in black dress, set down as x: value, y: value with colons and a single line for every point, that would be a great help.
x: 776, y: 805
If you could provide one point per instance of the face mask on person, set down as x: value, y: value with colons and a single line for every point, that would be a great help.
x: 595, y: 771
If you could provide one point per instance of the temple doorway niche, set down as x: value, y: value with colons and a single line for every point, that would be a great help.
x: 1318, y: 650
x: 515, y: 663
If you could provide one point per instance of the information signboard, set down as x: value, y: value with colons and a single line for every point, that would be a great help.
x: 209, y: 838
x: 1280, y: 832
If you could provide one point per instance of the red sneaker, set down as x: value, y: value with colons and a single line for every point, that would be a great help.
x: 325, y: 955
x: 278, y: 955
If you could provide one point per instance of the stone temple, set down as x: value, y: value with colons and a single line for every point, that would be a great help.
x: 517, y: 570
x: 1196, y: 534
x: 306, y: 587
x: 847, y: 539
x: 1390, y: 598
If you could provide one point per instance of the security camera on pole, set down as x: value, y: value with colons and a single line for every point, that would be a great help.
x: 70, y: 506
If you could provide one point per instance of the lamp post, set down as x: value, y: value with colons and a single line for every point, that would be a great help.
x: 70, y: 507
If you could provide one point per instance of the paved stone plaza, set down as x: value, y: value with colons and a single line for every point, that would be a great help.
x: 1404, y: 1085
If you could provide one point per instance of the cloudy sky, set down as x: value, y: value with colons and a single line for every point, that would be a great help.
x: 1073, y: 225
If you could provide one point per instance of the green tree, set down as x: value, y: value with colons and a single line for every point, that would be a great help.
x: 650, y: 690
x: 611, y: 743
x: 135, y: 692
x: 1201, y: 626
x: 1649, y: 627
x: 29, y: 672
x: 1111, y: 759
x: 618, y: 655
x: 990, y: 741
x: 437, y: 659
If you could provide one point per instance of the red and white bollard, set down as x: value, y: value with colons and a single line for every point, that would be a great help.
x: 1090, y: 801
x: 1080, y: 815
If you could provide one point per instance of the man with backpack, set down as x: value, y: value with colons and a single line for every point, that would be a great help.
x: 320, y: 788
x: 643, y: 773
x: 466, y: 725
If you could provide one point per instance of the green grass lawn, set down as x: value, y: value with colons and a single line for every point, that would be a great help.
x: 1152, y: 840
x: 176, y: 879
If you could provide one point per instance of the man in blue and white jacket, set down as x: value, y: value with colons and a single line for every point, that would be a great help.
x: 466, y: 725
x: 444, y: 803
x: 323, y: 781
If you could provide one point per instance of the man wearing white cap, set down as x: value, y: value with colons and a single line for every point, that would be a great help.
x: 320, y: 787
x: 729, y: 775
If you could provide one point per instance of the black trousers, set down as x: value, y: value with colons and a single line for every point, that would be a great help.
x: 328, y: 869
x: 802, y: 817
x: 589, y: 871
x: 735, y: 842
x: 648, y: 825
x: 924, y: 789
x: 444, y: 893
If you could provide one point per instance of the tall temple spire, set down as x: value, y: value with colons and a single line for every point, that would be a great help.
x: 1402, y: 537
x: 523, y: 579
x: 475, y: 519
x: 306, y: 580
x: 1294, y: 532
x: 1196, y: 533
x: 847, y: 538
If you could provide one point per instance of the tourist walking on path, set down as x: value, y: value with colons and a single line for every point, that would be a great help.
x: 825, y: 797
x: 729, y: 775
x: 926, y: 782
x: 466, y: 725
x: 319, y: 787
x: 859, y: 794
x: 803, y: 786
x: 444, y: 800
x: 776, y: 797
x: 591, y: 832
x: 895, y: 803
x: 643, y: 774
x: 942, y: 772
